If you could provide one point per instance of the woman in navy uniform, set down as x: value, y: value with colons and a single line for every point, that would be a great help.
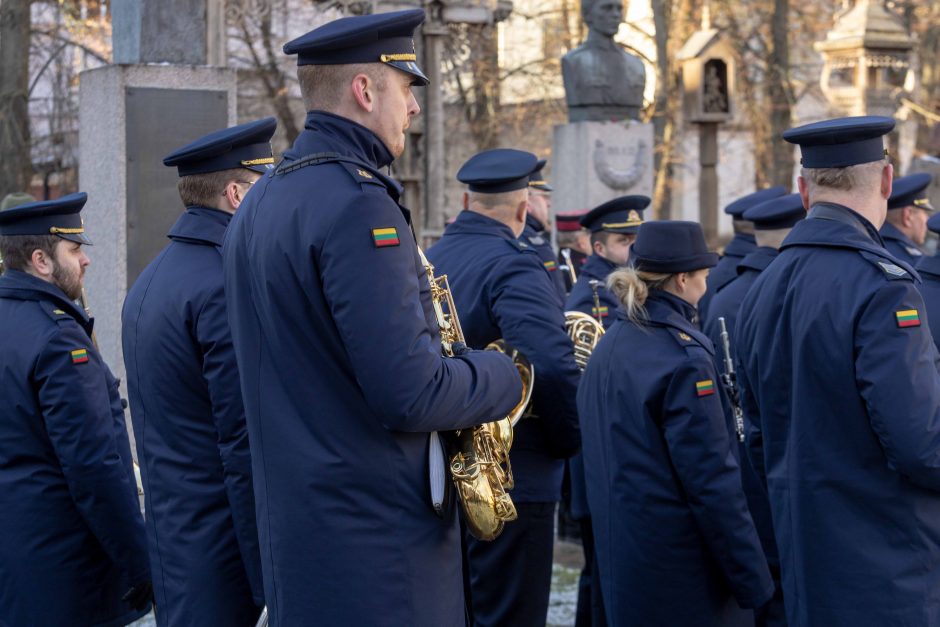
x: 674, y: 541
x: 841, y: 393
x: 185, y: 397
x: 339, y: 352
x: 72, y: 544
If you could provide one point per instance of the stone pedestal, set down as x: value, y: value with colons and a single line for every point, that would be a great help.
x: 593, y: 162
x: 130, y: 117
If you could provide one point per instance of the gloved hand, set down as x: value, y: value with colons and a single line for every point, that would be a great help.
x: 139, y: 596
x: 459, y: 348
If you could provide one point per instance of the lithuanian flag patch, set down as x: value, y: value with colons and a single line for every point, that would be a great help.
x: 385, y: 237
x: 550, y: 265
x: 602, y: 312
x: 705, y: 388
x: 907, y: 318
x: 79, y: 356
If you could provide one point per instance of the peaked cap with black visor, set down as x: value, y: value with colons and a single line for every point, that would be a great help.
x: 378, y: 38
x: 59, y: 217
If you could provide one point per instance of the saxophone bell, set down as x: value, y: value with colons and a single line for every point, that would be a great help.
x: 479, y: 458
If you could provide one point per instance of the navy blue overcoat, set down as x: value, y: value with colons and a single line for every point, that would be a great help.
x: 740, y: 246
x: 72, y: 539
x: 582, y: 296
x: 343, y: 380
x: 501, y: 290
x: 900, y: 245
x: 192, y: 441
x: 929, y: 270
x: 535, y: 236
x: 674, y: 541
x: 841, y: 389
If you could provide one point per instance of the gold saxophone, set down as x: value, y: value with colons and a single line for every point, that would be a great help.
x: 479, y: 463
x: 585, y: 331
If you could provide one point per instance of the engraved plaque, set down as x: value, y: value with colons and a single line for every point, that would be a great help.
x: 158, y: 122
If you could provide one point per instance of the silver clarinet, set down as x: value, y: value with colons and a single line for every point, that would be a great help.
x: 730, y: 381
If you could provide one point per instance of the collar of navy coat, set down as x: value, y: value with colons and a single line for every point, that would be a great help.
x: 843, y: 228
x: 758, y: 259
x: 201, y: 225
x: 23, y: 286
x: 891, y: 232
x: 471, y: 222
x: 667, y: 310
x: 598, y: 268
x: 332, y: 138
x: 929, y: 265
x: 534, y: 223
x: 740, y: 245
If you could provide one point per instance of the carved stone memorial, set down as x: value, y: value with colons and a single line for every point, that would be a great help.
x: 603, y: 152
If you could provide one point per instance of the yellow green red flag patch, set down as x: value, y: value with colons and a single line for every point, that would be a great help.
x: 907, y: 318
x: 602, y: 312
x: 79, y: 356
x: 385, y: 237
x: 549, y: 265
x: 705, y: 388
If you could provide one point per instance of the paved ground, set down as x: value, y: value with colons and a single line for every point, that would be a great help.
x: 564, y: 598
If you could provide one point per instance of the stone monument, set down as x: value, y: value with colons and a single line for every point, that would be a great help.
x: 160, y: 94
x: 604, y: 151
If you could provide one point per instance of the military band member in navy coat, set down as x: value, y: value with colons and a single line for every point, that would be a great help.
x: 339, y: 353
x: 72, y: 545
x: 185, y: 397
x: 536, y: 232
x: 772, y: 219
x: 613, y: 226
x: 573, y: 245
x: 739, y: 247
x: 502, y: 290
x: 841, y: 391
x: 929, y: 270
x: 674, y: 541
x: 905, y: 229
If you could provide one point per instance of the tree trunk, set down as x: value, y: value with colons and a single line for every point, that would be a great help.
x: 663, y: 122
x: 484, y: 63
x: 16, y: 164
x: 779, y: 95
x: 672, y: 21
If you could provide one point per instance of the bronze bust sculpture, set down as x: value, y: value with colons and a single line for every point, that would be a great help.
x: 602, y: 81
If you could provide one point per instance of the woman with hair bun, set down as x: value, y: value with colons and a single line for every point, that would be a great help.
x: 674, y: 539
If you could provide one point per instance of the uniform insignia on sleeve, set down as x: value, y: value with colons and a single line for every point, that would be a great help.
x: 705, y: 388
x: 602, y: 312
x: 907, y: 318
x: 79, y: 356
x: 892, y: 269
x: 685, y: 336
x: 385, y: 237
x: 364, y: 174
x: 550, y: 265
x: 58, y: 312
